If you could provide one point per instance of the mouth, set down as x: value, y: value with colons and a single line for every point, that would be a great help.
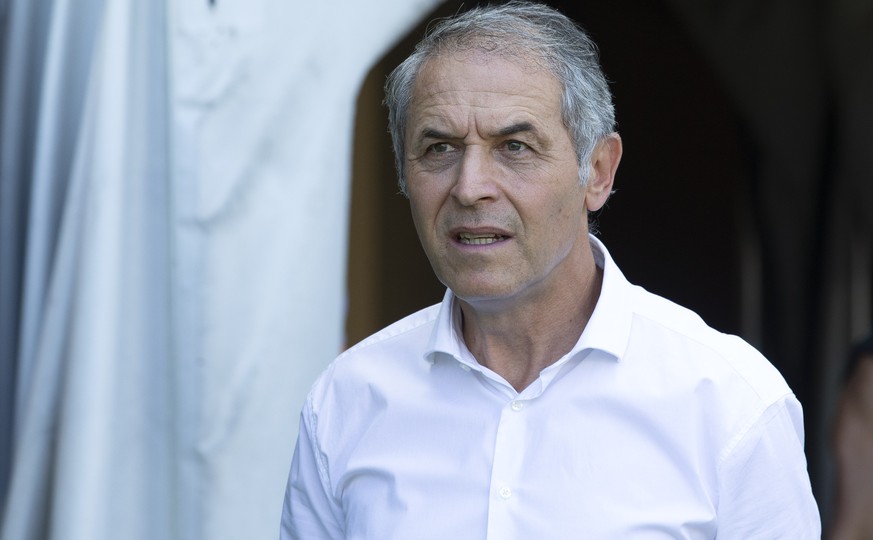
x: 472, y: 239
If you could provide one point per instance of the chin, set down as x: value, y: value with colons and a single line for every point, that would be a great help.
x: 482, y: 295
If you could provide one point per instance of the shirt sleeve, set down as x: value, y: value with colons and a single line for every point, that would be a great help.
x: 764, y: 489
x: 310, y: 512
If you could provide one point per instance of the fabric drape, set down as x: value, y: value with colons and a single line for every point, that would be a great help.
x: 175, y: 180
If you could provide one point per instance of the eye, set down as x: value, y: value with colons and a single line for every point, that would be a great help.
x: 515, y: 146
x: 440, y: 148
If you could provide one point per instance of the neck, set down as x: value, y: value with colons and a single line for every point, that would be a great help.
x: 520, y: 341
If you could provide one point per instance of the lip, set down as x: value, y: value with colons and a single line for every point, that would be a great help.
x: 478, y: 237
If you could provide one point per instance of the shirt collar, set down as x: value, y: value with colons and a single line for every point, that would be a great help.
x: 609, y: 327
x: 607, y: 330
x: 446, y: 336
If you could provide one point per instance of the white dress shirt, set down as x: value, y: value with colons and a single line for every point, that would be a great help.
x: 653, y: 426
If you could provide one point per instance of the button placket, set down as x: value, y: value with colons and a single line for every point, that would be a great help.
x: 506, y: 471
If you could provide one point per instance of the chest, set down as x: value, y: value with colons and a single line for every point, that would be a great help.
x: 580, y: 464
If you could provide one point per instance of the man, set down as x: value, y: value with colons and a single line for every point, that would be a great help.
x: 545, y: 397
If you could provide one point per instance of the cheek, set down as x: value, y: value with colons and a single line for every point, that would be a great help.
x: 569, y: 209
x: 427, y: 196
x: 424, y: 211
x: 417, y: 218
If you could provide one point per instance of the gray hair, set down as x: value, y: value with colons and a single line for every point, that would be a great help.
x: 522, y: 31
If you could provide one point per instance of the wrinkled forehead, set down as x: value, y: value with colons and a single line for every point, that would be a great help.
x: 473, y: 73
x: 482, y: 50
x: 490, y: 69
x: 483, y: 96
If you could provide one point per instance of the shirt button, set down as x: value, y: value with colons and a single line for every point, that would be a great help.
x: 465, y: 367
x: 505, y: 492
x: 516, y: 405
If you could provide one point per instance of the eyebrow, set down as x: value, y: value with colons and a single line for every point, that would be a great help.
x: 520, y: 127
x: 516, y: 128
x: 430, y: 133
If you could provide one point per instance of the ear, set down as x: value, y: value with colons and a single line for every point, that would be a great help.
x: 604, y: 163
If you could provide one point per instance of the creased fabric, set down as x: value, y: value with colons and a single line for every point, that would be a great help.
x: 175, y: 181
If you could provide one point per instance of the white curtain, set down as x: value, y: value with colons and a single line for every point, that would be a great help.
x: 173, y: 224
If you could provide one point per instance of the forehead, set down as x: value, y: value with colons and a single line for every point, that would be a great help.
x: 453, y: 86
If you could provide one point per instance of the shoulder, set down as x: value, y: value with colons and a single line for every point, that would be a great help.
x: 411, y: 330
x: 734, y: 388
x: 386, y: 357
x: 362, y: 382
x: 682, y: 340
x: 660, y: 337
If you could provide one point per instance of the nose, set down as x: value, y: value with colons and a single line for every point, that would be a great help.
x: 476, y: 180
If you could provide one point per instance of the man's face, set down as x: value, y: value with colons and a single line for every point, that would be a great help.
x: 493, y: 180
